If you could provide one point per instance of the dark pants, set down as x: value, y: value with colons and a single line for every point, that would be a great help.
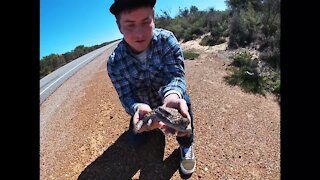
x: 142, y: 137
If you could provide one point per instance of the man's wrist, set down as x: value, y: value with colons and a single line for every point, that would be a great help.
x: 136, y: 106
x: 172, y: 92
x: 170, y: 96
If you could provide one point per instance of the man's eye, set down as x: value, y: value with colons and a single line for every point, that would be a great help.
x: 146, y: 22
x: 130, y: 25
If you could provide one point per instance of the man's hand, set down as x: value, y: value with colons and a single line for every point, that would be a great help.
x: 173, y: 101
x: 141, y: 111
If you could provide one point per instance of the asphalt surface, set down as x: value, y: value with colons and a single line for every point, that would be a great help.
x: 52, y: 81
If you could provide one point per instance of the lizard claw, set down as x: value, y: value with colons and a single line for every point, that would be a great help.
x: 149, y: 124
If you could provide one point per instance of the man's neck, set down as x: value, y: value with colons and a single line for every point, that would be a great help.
x: 137, y: 52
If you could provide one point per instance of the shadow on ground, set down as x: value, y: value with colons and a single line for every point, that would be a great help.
x: 122, y: 160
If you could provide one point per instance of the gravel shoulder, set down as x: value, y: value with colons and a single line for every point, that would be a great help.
x: 83, y: 128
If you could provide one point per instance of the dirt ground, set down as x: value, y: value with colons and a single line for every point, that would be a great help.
x: 83, y: 129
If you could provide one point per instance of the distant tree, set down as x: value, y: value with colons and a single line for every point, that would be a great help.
x: 270, y: 22
x: 183, y: 12
x: 238, y: 33
x: 194, y: 10
x: 163, y: 20
x: 52, y: 62
x: 69, y: 56
x: 237, y: 5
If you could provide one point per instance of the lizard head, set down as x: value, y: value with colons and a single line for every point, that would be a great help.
x: 173, y: 116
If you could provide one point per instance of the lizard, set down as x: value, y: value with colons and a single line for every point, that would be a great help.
x: 169, y: 116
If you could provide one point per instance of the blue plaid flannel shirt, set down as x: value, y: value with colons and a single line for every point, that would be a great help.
x: 148, y: 82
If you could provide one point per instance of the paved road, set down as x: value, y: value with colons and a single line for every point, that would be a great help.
x: 52, y: 81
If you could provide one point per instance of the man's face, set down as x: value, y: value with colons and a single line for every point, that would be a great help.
x: 136, y: 27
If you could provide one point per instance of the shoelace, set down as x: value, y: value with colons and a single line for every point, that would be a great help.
x: 188, y: 154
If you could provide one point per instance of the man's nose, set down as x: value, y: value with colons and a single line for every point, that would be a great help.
x: 138, y: 31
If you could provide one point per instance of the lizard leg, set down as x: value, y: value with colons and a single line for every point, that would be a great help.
x: 171, y: 130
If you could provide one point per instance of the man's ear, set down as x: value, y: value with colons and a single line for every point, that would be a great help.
x: 119, y: 25
x: 153, y: 18
x: 153, y: 14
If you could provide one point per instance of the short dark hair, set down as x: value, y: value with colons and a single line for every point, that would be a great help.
x: 125, y: 5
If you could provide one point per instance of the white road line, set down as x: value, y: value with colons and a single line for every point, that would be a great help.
x: 63, y: 75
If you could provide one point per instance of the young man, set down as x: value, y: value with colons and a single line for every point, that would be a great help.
x: 147, y: 71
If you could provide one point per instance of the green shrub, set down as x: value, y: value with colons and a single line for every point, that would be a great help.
x: 189, y: 54
x: 244, y: 27
x: 245, y: 74
x: 238, y: 33
x: 272, y: 57
x: 211, y: 41
x: 273, y: 83
x: 247, y: 79
x: 243, y: 59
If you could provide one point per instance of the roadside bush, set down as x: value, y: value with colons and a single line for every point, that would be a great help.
x: 272, y: 57
x: 248, y: 79
x: 245, y: 74
x: 189, y: 54
x: 238, y: 33
x: 211, y: 40
x: 244, y: 27
x: 243, y: 59
x: 273, y: 83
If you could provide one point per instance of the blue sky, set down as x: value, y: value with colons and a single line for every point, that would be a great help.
x: 65, y: 24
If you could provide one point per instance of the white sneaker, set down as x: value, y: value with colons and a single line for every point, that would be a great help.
x: 188, y: 161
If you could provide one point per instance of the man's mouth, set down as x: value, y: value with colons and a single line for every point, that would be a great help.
x: 139, y: 41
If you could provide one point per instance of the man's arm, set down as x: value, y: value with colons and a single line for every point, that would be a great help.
x: 122, y: 86
x: 174, y: 71
x: 173, y: 92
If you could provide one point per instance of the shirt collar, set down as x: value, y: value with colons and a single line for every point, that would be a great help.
x: 155, y: 34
